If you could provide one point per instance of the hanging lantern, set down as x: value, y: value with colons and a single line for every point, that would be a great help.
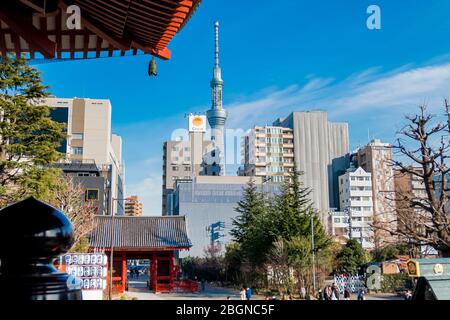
x: 152, y: 68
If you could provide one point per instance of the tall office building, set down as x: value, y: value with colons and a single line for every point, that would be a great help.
x: 217, y: 115
x: 318, y: 143
x: 376, y: 158
x: 268, y: 153
x: 90, y: 141
x: 184, y: 160
x: 355, y: 196
x: 133, y: 207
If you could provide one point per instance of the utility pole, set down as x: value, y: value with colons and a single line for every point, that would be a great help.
x: 313, y: 254
x: 111, y: 239
x: 111, y: 252
x: 348, y: 210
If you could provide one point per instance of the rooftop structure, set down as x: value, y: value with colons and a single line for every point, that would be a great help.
x: 156, y: 239
x: 45, y: 27
x: 133, y: 207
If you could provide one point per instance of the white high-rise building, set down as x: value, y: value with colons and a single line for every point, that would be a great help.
x: 269, y: 153
x: 356, y: 203
x: 376, y: 158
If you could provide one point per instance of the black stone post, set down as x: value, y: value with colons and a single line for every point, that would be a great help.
x: 32, y: 236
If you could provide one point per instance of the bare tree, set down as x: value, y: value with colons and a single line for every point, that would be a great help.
x: 69, y: 197
x: 279, y: 269
x: 422, y: 152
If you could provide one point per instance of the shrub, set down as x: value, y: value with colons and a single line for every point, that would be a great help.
x: 390, y: 283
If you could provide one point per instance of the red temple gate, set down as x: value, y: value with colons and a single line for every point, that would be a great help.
x: 156, y: 239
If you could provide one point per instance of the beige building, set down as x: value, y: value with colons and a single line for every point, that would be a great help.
x: 186, y: 158
x: 376, y: 158
x: 90, y: 140
x: 269, y: 153
x: 133, y: 207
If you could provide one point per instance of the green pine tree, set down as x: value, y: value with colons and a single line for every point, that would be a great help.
x: 29, y: 138
x: 249, y: 208
x: 293, y: 212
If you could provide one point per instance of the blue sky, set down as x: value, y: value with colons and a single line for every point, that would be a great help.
x: 276, y: 57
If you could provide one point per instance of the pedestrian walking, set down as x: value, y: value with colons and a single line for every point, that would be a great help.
x: 361, y: 295
x: 408, y: 295
x: 347, y: 293
x: 334, y: 292
x: 248, y: 293
x: 326, y: 293
x: 243, y: 293
x: 320, y: 295
x: 303, y: 293
x: 203, y: 284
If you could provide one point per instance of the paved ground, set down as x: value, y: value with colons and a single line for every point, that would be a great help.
x: 138, y: 289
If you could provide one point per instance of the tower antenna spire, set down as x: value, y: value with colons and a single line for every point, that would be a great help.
x: 216, y: 28
x: 217, y: 116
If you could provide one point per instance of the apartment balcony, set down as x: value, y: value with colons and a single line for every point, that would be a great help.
x: 288, y: 164
x: 288, y: 155
x: 361, y: 193
x: 361, y: 203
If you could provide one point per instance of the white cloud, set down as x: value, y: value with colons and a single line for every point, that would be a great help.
x: 363, y: 92
x: 382, y: 97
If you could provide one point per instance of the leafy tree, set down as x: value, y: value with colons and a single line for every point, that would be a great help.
x: 233, y: 263
x: 29, y: 138
x: 391, y: 251
x: 351, y: 257
x: 249, y: 208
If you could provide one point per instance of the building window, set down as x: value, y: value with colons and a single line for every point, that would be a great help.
x: 77, y: 151
x: 187, y: 168
x: 91, y: 194
x: 174, y: 168
x: 187, y: 149
x: 78, y: 136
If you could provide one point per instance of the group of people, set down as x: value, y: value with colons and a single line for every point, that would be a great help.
x: 134, y: 273
x: 246, y: 293
x: 333, y: 293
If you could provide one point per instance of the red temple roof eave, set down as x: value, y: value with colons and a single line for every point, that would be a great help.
x: 167, y: 25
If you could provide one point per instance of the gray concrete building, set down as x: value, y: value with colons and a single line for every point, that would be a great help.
x: 94, y: 179
x: 208, y: 203
x: 317, y: 143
